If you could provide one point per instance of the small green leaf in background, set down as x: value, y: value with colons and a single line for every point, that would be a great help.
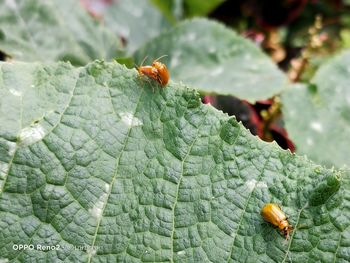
x: 32, y: 30
x: 200, y: 7
x: 172, y: 9
x: 136, y: 21
x: 318, y: 119
x: 214, y: 59
x: 101, y: 162
x: 127, y: 61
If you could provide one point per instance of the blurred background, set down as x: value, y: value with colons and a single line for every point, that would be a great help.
x: 279, y: 66
x: 298, y: 35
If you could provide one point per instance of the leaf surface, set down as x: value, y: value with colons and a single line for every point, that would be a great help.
x: 136, y: 21
x: 97, y: 165
x: 171, y: 9
x: 50, y: 30
x: 318, y: 117
x: 231, y: 66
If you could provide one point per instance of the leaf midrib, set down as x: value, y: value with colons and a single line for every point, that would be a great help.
x: 246, y: 205
x: 117, y: 165
x: 178, y: 189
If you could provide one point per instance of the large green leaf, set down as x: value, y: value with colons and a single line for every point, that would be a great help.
x: 318, y: 117
x: 136, y: 21
x: 212, y: 58
x: 32, y: 30
x: 96, y: 164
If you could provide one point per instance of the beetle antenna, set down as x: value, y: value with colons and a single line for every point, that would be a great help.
x: 161, y: 57
x: 143, y: 61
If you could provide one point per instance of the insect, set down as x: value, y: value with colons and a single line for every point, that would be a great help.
x: 158, y: 72
x: 273, y: 214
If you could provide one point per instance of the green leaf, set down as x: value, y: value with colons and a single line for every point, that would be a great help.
x: 136, y: 21
x: 127, y: 61
x: 232, y: 66
x: 172, y: 9
x: 97, y: 165
x: 201, y: 8
x: 318, y: 117
x: 50, y: 30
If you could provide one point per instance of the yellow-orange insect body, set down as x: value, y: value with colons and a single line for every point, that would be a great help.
x: 158, y: 72
x: 163, y: 73
x: 273, y: 214
x: 148, y: 71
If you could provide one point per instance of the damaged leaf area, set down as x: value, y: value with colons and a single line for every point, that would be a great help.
x: 96, y: 164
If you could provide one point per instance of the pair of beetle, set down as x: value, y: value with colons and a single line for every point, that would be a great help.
x: 157, y: 71
x: 272, y: 213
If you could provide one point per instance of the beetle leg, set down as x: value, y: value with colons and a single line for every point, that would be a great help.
x: 287, y: 236
x: 159, y: 80
x: 139, y: 78
x: 150, y: 84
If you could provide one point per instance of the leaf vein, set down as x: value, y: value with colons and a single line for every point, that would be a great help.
x: 246, y: 205
x: 114, y: 177
x: 178, y: 189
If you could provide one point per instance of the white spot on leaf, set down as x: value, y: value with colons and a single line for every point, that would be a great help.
x: 251, y: 184
x: 182, y: 252
x: 4, y: 260
x: 97, y: 209
x: 247, y: 56
x: 261, y: 185
x: 317, y: 126
x: 130, y: 120
x: 15, y: 92
x: 4, y: 168
x: 254, y: 67
x: 30, y: 135
x: 292, y: 113
x: 217, y: 71
x: 91, y: 251
x: 11, y: 4
x: 191, y: 36
x: 212, y: 50
x: 12, y: 148
x: 309, y: 141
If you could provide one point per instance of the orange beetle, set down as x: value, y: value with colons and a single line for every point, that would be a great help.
x: 163, y: 73
x: 273, y: 214
x: 158, y: 72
